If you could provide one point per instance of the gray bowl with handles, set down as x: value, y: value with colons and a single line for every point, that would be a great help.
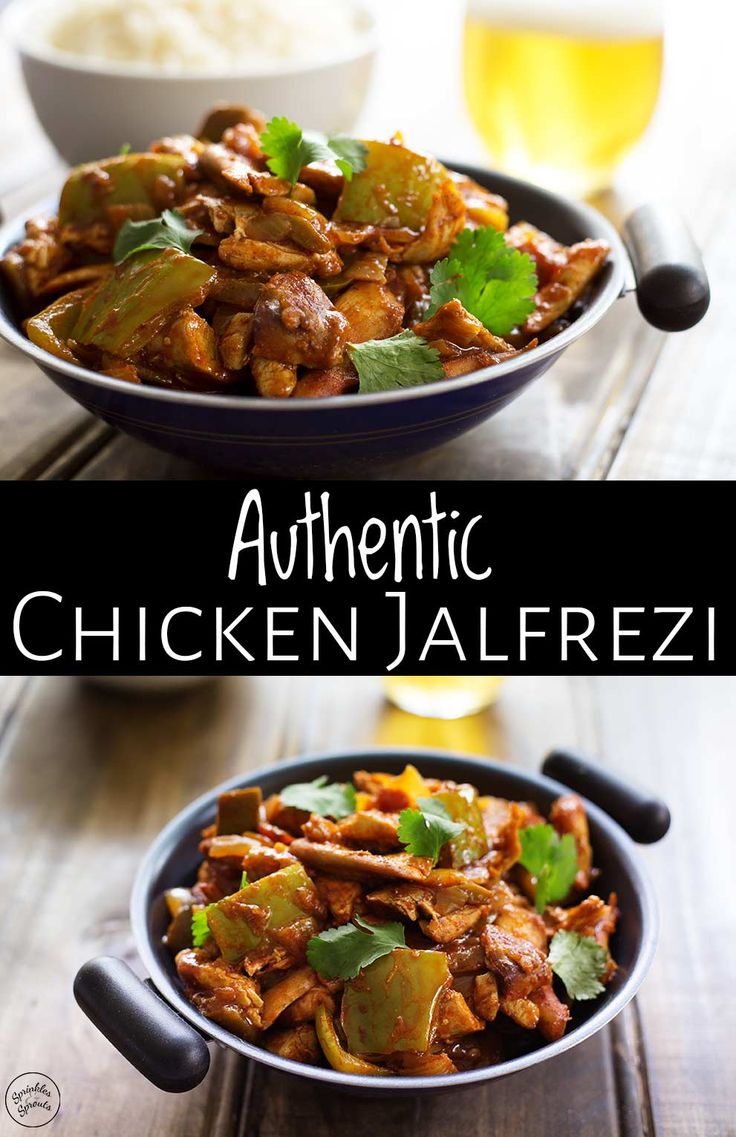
x: 161, y: 1033
x: 355, y: 434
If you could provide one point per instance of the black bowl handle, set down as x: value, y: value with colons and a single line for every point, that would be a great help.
x: 145, y: 1029
x: 644, y: 818
x: 671, y: 282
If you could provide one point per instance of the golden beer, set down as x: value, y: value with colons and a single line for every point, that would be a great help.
x: 443, y: 696
x: 561, y: 90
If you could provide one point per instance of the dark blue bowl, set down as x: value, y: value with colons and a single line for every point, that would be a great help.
x: 157, y: 1037
x: 312, y: 438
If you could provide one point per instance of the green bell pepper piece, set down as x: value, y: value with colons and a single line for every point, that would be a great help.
x: 472, y: 843
x: 125, y: 311
x: 129, y: 179
x: 396, y: 187
x: 51, y: 328
x: 390, y: 1005
x: 244, y: 921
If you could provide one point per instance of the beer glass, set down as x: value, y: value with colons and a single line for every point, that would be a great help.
x: 560, y: 91
x: 443, y: 696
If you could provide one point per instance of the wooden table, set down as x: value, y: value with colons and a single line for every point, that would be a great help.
x: 625, y: 403
x: 87, y: 778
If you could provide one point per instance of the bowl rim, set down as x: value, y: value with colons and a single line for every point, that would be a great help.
x: 18, y: 14
x: 614, y: 287
x: 158, y: 850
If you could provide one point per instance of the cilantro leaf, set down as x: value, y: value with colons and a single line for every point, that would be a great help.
x: 340, y: 953
x: 351, y: 156
x: 424, y: 831
x: 490, y: 279
x: 169, y: 231
x: 244, y: 880
x: 124, y: 149
x: 333, y: 800
x: 580, y: 962
x: 200, y: 928
x: 289, y: 149
x: 405, y: 360
x: 552, y: 861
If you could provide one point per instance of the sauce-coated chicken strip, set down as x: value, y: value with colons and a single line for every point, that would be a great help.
x: 295, y: 323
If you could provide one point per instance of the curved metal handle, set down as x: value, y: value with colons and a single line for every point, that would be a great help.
x: 146, y: 1031
x: 644, y: 818
x: 671, y: 282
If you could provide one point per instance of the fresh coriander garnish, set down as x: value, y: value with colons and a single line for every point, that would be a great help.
x: 288, y: 150
x: 200, y: 928
x: 244, y: 880
x: 341, y: 953
x: 425, y: 830
x: 124, y: 149
x: 580, y: 962
x: 552, y: 861
x: 169, y: 231
x: 405, y: 360
x: 321, y: 797
x: 490, y: 279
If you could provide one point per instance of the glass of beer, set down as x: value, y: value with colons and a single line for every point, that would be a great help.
x: 443, y: 696
x: 561, y: 90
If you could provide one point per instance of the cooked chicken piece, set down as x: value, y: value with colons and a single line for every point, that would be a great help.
x: 454, y: 1017
x: 234, y: 172
x: 444, y: 929
x: 233, y: 339
x: 224, y: 116
x: 502, y: 820
x: 326, y: 182
x: 548, y: 255
x: 364, y: 266
x: 38, y: 258
x: 410, y: 283
x: 416, y: 1065
x: 372, y: 312
x: 299, y: 1043
x: 286, y: 991
x: 286, y: 817
x: 239, y: 289
x: 336, y: 860
x: 186, y: 146
x: 464, y: 361
x: 583, y: 261
x: 553, y: 1014
x: 407, y: 901
x: 455, y: 324
x: 324, y: 384
x: 248, y: 255
x: 517, y: 965
x: 216, y: 879
x: 119, y: 369
x: 273, y: 380
x: 567, y: 815
x: 525, y: 924
x: 244, y: 139
x: 369, y: 829
x: 340, y: 896
x: 188, y: 345
x: 522, y: 1011
x: 72, y: 278
x: 224, y: 214
x: 485, y: 996
x: 482, y: 207
x: 303, y: 1010
x: 235, y: 845
x: 97, y: 237
x: 594, y: 918
x: 295, y: 323
x: 466, y: 956
x: 305, y: 226
x: 221, y: 992
x: 445, y: 220
x: 317, y: 828
x: 262, y: 862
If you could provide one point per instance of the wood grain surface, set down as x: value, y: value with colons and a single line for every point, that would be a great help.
x: 627, y: 402
x: 87, y: 778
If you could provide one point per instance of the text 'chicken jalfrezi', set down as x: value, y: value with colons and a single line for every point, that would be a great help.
x: 195, y: 265
x: 395, y: 925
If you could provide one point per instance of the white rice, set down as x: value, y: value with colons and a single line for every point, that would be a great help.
x: 207, y: 35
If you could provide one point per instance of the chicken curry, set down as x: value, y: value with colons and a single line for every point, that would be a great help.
x: 395, y: 925
x: 252, y: 259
